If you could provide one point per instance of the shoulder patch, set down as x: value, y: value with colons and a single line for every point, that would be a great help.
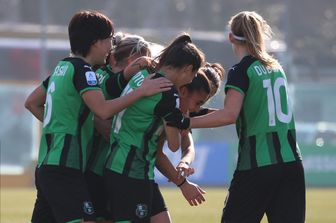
x: 91, y: 78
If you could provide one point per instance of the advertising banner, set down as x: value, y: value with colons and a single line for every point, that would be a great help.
x: 213, y: 164
x: 320, y: 165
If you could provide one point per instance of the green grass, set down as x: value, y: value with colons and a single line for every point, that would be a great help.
x: 16, y: 206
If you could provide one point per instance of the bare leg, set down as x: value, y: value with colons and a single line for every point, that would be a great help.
x: 162, y: 217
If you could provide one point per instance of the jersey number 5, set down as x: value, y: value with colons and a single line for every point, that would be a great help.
x: 48, y: 105
x: 274, y: 98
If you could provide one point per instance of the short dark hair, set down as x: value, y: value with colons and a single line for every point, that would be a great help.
x: 85, y: 28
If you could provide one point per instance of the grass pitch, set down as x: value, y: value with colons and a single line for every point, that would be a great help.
x: 17, y: 203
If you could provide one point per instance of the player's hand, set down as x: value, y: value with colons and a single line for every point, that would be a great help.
x: 153, y: 86
x: 192, y: 193
x: 184, y: 132
x: 103, y: 127
x: 139, y: 64
x: 184, y: 170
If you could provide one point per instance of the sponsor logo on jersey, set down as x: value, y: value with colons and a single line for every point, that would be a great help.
x: 91, y: 78
x: 88, y: 207
x: 141, y: 210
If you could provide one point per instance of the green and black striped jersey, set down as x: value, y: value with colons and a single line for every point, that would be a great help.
x: 265, y: 126
x: 112, y: 85
x: 136, y: 129
x: 68, y: 123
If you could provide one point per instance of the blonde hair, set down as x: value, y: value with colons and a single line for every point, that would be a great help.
x: 249, y: 28
x: 127, y: 45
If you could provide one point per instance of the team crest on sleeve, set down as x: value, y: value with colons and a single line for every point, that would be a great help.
x: 91, y: 78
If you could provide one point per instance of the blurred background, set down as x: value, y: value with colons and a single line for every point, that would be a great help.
x: 33, y: 37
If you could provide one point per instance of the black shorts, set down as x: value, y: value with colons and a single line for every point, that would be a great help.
x: 158, y: 203
x: 277, y: 190
x: 129, y: 199
x: 62, y: 196
x: 98, y: 194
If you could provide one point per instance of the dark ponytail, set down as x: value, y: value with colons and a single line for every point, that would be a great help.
x: 199, y: 83
x: 208, y: 79
x: 215, y: 74
x: 184, y: 38
x: 181, y: 52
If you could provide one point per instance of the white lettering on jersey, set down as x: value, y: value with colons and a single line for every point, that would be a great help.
x: 261, y: 69
x: 60, y: 70
x: 101, y: 78
x: 138, y: 79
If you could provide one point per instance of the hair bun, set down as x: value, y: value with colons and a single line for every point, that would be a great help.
x: 220, y: 71
x: 185, y: 37
x: 117, y: 38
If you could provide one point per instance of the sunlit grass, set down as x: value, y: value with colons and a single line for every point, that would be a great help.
x: 17, y: 204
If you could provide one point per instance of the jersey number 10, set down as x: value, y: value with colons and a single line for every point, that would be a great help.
x: 274, y: 101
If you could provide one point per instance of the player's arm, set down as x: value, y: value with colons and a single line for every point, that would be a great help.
x: 173, y: 137
x: 188, y: 155
x: 103, y: 127
x: 35, y: 102
x: 164, y: 165
x: 175, y: 121
x: 202, y: 111
x: 167, y: 109
x: 191, y: 192
x: 105, y: 109
x: 236, y: 87
x: 228, y: 115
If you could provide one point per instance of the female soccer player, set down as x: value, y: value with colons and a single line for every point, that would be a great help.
x: 130, y: 51
x: 129, y: 170
x: 192, y: 97
x: 269, y: 177
x: 72, y: 91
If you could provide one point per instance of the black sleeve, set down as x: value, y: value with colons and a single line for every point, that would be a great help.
x: 237, y: 79
x: 84, y: 78
x: 202, y: 111
x: 115, y: 84
x: 45, y: 83
x: 168, y: 109
x: 178, y: 120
